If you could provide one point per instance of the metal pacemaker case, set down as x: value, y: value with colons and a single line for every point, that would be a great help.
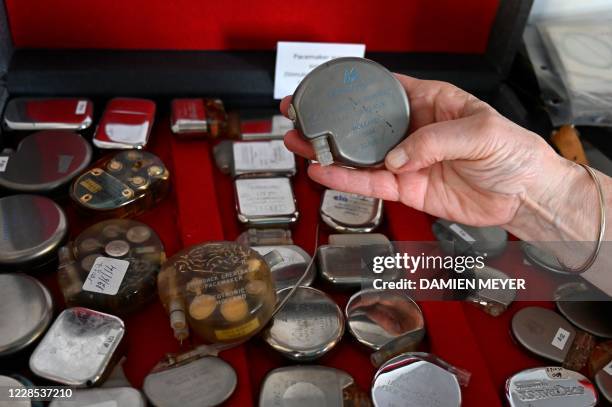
x: 290, y: 270
x: 593, y: 317
x: 492, y: 301
x: 421, y: 378
x: 265, y: 201
x: 197, y: 117
x: 9, y: 382
x: 350, y: 213
x: 263, y: 125
x: 32, y: 230
x: 48, y: 114
x: 550, y: 387
x: 44, y: 161
x: 121, y: 185
x: 547, y: 334
x: 105, y: 397
x: 79, y: 349
x: 125, y: 124
x: 223, y: 290
x: 265, y: 237
x: 26, y: 310
x: 378, y: 317
x: 269, y: 157
x: 204, y: 382
x: 112, y: 266
x: 458, y: 239
x: 308, y: 326
x: 309, y: 386
x: 353, y: 111
x: 344, y: 262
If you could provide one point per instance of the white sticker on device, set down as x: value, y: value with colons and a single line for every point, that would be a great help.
x: 608, y: 368
x: 106, y: 275
x: 462, y: 233
x: 81, y: 107
x: 3, y: 163
x: 560, y: 339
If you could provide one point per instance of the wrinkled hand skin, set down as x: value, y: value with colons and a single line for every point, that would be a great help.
x: 462, y: 161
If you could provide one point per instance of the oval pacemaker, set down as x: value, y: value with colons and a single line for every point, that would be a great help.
x: 32, y: 229
x: 204, y: 382
x: 543, y: 332
x: 593, y: 317
x: 353, y: 111
x: 45, y: 161
x: 25, y: 311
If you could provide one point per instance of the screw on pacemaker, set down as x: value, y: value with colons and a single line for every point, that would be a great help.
x: 322, y: 152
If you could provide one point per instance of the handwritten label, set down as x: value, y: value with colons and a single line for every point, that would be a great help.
x: 3, y: 163
x: 81, y: 107
x: 106, y: 275
x: 294, y: 60
x: 462, y: 233
x: 560, y: 339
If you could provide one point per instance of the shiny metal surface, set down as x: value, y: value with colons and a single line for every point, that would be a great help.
x: 350, y: 213
x: 79, y: 348
x: 204, y: 382
x: 492, y: 301
x: 594, y: 317
x: 308, y: 326
x: 304, y: 386
x: 353, y: 110
x: 542, y: 259
x: 106, y: 397
x: 26, y: 310
x: 31, y: 230
x: 603, y: 379
x: 48, y: 114
x: 543, y: 332
x: 45, y: 161
x: 550, y: 387
x: 125, y: 124
x: 410, y: 379
x: 456, y: 238
x: 290, y: 269
x: 375, y: 317
x: 7, y: 382
x: 265, y: 201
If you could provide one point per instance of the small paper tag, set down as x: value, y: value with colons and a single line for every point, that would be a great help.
x: 106, y: 275
x: 462, y: 233
x: 560, y: 339
x: 556, y: 372
x: 608, y: 368
x: 3, y: 163
x: 294, y: 60
x: 81, y: 107
x: 262, y: 156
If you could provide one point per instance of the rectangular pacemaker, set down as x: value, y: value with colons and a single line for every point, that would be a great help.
x: 265, y: 201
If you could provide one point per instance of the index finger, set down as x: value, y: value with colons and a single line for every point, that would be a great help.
x: 284, y: 105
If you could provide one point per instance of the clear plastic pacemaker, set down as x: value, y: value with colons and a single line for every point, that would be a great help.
x: 112, y: 266
x: 122, y: 185
x: 224, y: 291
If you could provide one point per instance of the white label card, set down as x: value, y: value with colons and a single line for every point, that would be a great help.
x: 265, y: 196
x: 81, y: 107
x: 294, y: 60
x: 3, y: 163
x: 462, y: 233
x: 560, y: 339
x: 262, y: 156
x: 106, y: 275
x: 608, y: 368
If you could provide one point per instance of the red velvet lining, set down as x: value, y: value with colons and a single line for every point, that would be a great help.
x: 391, y: 25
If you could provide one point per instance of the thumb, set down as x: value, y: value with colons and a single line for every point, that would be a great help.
x: 460, y: 139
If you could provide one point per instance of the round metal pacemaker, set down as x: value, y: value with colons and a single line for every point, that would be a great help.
x: 353, y: 110
x: 32, y: 229
x: 375, y: 317
x: 308, y: 326
x: 350, y: 213
x: 408, y: 378
x: 7, y: 382
x: 543, y: 332
x: 550, y: 387
x: 26, y: 310
x: 457, y: 238
x: 304, y: 386
x: 45, y: 161
x: 542, y: 259
x: 288, y: 272
x: 207, y: 381
x: 593, y: 317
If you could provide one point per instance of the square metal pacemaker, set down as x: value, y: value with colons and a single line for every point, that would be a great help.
x: 79, y: 349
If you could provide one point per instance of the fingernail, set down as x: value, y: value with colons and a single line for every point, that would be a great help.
x: 397, y: 158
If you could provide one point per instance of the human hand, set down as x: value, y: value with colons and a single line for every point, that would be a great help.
x: 463, y: 161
